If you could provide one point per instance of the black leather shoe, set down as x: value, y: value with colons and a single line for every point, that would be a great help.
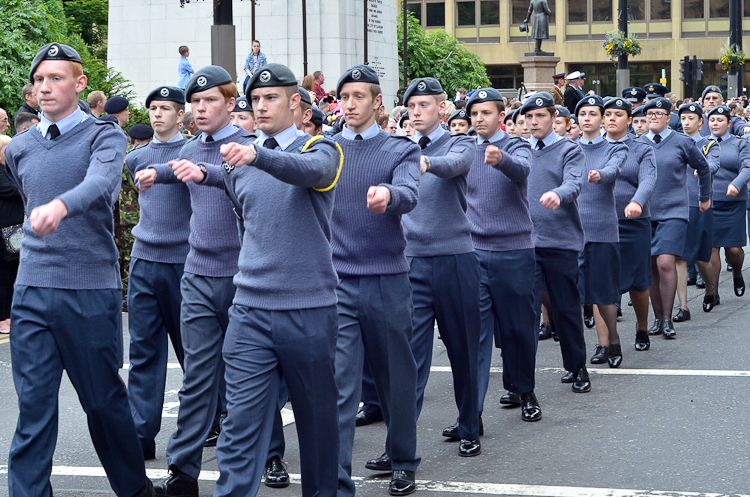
x: 682, y: 315
x: 545, y: 331
x: 530, y: 410
x: 365, y: 418
x: 510, y: 399
x: 148, y: 490
x: 642, y: 342
x: 452, y: 430
x: 582, y: 383
x: 177, y: 485
x: 692, y: 281
x: 469, y: 448
x: 568, y: 378
x: 657, y: 328
x: 699, y: 283
x: 739, y: 286
x: 615, y: 355
x: 669, y: 331
x: 619, y: 312
x: 213, y: 436
x: 402, y: 483
x: 588, y: 315
x: 709, y: 302
x: 275, y: 474
x: 382, y: 463
x: 600, y: 355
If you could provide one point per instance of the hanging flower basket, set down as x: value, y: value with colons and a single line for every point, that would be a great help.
x: 731, y: 56
x: 618, y: 43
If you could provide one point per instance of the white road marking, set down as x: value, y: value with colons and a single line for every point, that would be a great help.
x: 170, y: 365
x: 432, y: 486
x: 642, y: 372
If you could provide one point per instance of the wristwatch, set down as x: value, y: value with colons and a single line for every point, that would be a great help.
x: 255, y: 151
x: 427, y: 160
x: 204, y: 171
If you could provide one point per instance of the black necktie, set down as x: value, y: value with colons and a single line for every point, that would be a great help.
x: 423, y: 142
x: 718, y: 139
x: 358, y: 137
x: 485, y: 141
x: 657, y: 138
x: 270, y: 143
x: 53, y: 131
x: 209, y: 139
x: 539, y: 145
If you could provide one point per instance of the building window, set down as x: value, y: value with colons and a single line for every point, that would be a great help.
x: 719, y: 8
x: 519, y: 9
x: 466, y: 13
x: 578, y: 11
x: 746, y: 8
x: 490, y: 12
x: 429, y: 14
x: 637, y: 10
x: 602, y: 10
x: 416, y: 10
x: 694, y: 9
x: 661, y: 9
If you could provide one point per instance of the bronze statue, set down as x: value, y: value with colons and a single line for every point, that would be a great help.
x: 540, y: 28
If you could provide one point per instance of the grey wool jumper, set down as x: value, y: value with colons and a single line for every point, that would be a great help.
x: 713, y: 157
x: 676, y: 155
x: 163, y: 228
x: 82, y: 168
x: 365, y: 243
x: 498, y: 206
x: 734, y: 169
x: 557, y: 168
x: 438, y: 224
x: 637, y: 179
x: 596, y: 203
x: 286, y: 262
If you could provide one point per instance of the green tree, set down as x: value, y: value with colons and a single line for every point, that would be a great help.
x: 441, y: 56
x: 89, y: 18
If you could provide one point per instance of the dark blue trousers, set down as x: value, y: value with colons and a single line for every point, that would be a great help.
x: 375, y: 319
x: 204, y: 316
x: 369, y: 394
x: 153, y: 318
x: 76, y: 331
x: 262, y: 346
x: 506, y: 306
x: 558, y: 270
x: 446, y: 289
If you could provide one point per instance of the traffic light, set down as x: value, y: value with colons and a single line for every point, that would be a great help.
x: 687, y: 73
x: 697, y: 69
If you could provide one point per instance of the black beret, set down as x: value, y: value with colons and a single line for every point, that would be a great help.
x: 720, y: 110
x: 658, y: 103
x: 115, y: 105
x: 539, y: 100
x: 404, y: 117
x: 241, y: 104
x: 317, y: 117
x: 459, y: 114
x: 272, y: 75
x: 140, y: 132
x: 618, y: 103
x: 53, y: 51
x: 110, y: 118
x: 638, y: 112
x: 422, y: 86
x: 305, y: 95
x: 483, y: 95
x: 562, y: 111
x: 710, y: 89
x: 656, y: 90
x: 205, y: 79
x: 692, y: 108
x: 510, y: 116
x: 357, y: 74
x: 166, y: 94
x: 573, y: 119
x: 634, y: 94
x: 590, y: 101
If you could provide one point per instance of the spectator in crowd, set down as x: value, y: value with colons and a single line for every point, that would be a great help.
x: 188, y: 124
x: 460, y: 95
x: 4, y: 122
x: 24, y: 121
x: 397, y: 112
x: 254, y: 61
x: 391, y: 126
x: 118, y: 107
x: 11, y: 213
x: 184, y: 69
x: 383, y: 120
x: 30, y: 103
x: 318, y: 88
x: 97, y: 100
x: 308, y: 83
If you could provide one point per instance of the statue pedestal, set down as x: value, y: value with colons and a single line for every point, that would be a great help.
x: 538, y: 71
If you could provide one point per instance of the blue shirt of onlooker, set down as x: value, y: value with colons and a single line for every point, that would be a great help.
x: 184, y: 71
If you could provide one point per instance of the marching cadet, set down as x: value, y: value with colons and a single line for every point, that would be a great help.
x: 443, y: 270
x: 510, y: 123
x: 67, y: 301
x: 283, y: 318
x: 118, y: 107
x: 674, y: 153
x: 498, y: 213
x: 555, y: 182
x: 314, y: 126
x: 640, y: 123
x: 712, y: 98
x: 243, y: 116
x: 459, y: 122
x: 405, y: 124
x: 657, y: 90
x: 378, y: 185
x: 140, y: 134
x: 562, y: 120
x: 157, y: 263
x: 574, y: 133
x: 635, y: 96
x: 206, y: 286
x: 599, y: 264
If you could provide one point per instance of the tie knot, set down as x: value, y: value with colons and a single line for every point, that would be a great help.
x: 657, y: 138
x: 718, y: 139
x: 540, y: 145
x: 270, y: 143
x: 53, y: 131
x: 423, y: 142
x: 209, y: 139
x: 358, y: 137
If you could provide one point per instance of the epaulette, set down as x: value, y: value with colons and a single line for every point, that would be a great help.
x: 22, y: 132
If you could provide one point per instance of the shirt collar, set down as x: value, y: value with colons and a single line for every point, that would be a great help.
x: 221, y: 134
x: 610, y: 140
x: 370, y: 132
x: 496, y: 137
x: 436, y: 134
x: 665, y: 133
x: 595, y: 141
x: 284, y: 138
x: 547, y: 140
x: 63, y: 125
x: 175, y: 138
x: 723, y: 137
x: 697, y: 137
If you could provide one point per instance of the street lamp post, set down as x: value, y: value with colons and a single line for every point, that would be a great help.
x: 223, y: 50
x: 623, y: 71
x: 734, y: 78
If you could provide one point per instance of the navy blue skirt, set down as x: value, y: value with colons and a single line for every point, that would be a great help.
x: 729, y: 224
x: 599, y: 273
x: 635, y: 255
x: 699, y: 239
x: 668, y: 237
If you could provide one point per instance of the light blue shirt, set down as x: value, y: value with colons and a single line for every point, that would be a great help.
x: 723, y: 137
x: 665, y: 133
x: 548, y: 140
x: 370, y: 132
x: 610, y: 140
x: 63, y: 125
x: 697, y: 137
x: 436, y: 134
x: 284, y: 138
x: 595, y: 141
x: 175, y: 138
x: 496, y: 137
x: 184, y: 70
x: 221, y: 134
